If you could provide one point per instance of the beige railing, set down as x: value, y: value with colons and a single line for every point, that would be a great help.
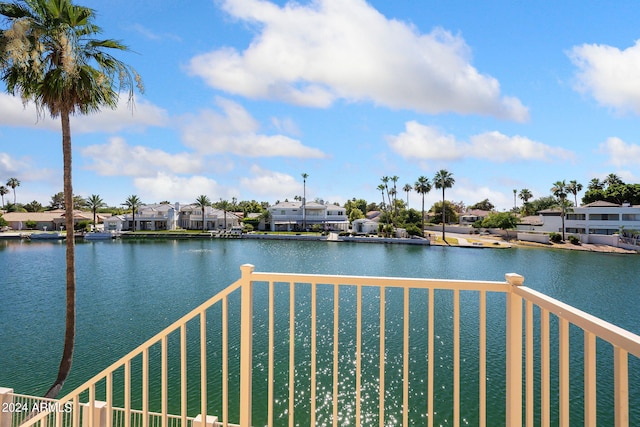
x: 288, y: 349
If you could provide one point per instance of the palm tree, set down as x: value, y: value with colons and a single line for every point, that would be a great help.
x: 407, y: 189
x: 56, y: 63
x: 13, y: 183
x: 94, y: 202
x: 381, y: 189
x: 612, y: 179
x: 525, y: 195
x: 595, y: 184
x: 224, y: 205
x: 133, y: 202
x: 443, y: 179
x: 202, y: 202
x: 515, y: 205
x: 559, y: 190
x: 422, y: 186
x: 3, y: 190
x: 304, y: 200
x: 574, y: 187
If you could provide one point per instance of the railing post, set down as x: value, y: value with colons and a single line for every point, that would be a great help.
x: 211, y: 421
x: 99, y: 414
x: 6, y: 399
x: 246, y: 343
x: 514, y: 352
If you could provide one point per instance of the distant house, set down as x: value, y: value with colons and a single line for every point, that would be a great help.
x: 48, y: 220
x: 473, y: 215
x: 190, y: 218
x: 151, y: 217
x: 293, y: 216
x: 364, y: 226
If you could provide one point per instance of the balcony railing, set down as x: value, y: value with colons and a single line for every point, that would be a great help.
x: 289, y: 349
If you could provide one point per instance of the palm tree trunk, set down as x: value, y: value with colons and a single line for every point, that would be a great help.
x: 70, y: 323
x: 443, y: 237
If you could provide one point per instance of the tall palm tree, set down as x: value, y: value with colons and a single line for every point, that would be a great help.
x: 407, y: 189
x: 56, y: 62
x: 559, y: 190
x: 525, y: 194
x: 612, y: 179
x: 443, y: 179
x: 202, y: 202
x: 304, y: 200
x: 133, y: 202
x: 515, y: 204
x: 3, y: 190
x: 595, y: 184
x: 574, y: 187
x: 13, y: 183
x: 381, y: 189
x: 422, y: 186
x: 94, y: 202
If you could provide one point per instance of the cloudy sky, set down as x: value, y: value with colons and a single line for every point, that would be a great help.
x: 243, y: 96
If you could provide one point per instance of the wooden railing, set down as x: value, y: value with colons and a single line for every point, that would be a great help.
x: 290, y: 349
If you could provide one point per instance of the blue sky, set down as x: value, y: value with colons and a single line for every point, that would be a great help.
x: 243, y: 96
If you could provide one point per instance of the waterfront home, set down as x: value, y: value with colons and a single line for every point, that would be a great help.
x: 473, y: 215
x: 190, y: 218
x: 161, y: 216
x: 48, y: 220
x: 364, y: 226
x: 295, y: 216
x: 598, y: 222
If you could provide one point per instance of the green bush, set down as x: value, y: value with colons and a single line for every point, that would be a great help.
x: 555, y: 237
x: 248, y: 228
x: 574, y: 240
x: 83, y: 226
x: 413, y: 230
x: 30, y: 224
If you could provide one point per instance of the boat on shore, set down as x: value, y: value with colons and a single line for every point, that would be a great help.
x: 47, y: 235
x: 98, y: 235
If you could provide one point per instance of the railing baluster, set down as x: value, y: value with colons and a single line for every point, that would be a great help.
x: 563, y: 373
x: 127, y: 394
x: 382, y: 353
x: 313, y: 353
x: 590, y: 393
x: 405, y: 358
x: 621, y: 386
x: 483, y: 359
x: 430, y: 357
x: 336, y: 334
x: 271, y: 351
x: 456, y: 357
x: 545, y: 369
x: 145, y: 387
x: 292, y: 351
x: 183, y: 375
x: 514, y: 352
x: 203, y: 365
x: 358, y: 355
x: 92, y: 405
x: 109, y: 399
x: 164, y: 381
x: 529, y: 364
x: 225, y: 360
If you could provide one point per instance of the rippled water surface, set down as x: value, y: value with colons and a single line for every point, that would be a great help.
x: 130, y: 290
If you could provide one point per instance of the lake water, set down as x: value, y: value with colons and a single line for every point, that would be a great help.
x: 130, y: 290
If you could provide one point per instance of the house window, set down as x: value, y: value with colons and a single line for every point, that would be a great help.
x: 631, y: 217
x: 604, y: 217
x: 576, y: 217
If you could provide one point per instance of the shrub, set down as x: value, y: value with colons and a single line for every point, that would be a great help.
x: 83, y: 226
x: 30, y: 224
x: 248, y: 228
x: 413, y: 230
x: 555, y: 237
x: 574, y: 240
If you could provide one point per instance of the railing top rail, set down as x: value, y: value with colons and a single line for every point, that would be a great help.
x: 380, y: 281
x: 609, y: 332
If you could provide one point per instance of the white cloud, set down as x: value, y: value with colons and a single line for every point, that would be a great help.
x: 421, y: 142
x: 610, y: 75
x: 165, y: 186
x: 236, y: 132
x: 266, y: 183
x: 117, y: 158
x: 10, y: 166
x: 353, y: 53
x: 14, y: 113
x: 620, y: 153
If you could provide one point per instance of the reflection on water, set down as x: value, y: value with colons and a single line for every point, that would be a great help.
x: 128, y: 291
